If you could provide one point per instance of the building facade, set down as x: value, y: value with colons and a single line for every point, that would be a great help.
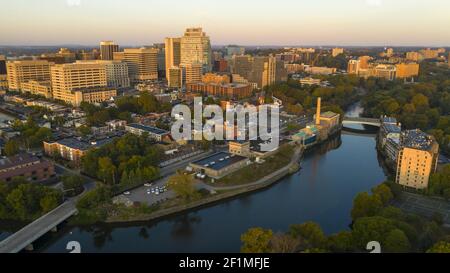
x: 23, y: 71
x: 107, y: 49
x: 142, y: 63
x: 417, y: 159
x: 196, y: 48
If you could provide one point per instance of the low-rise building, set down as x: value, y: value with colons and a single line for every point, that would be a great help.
x: 239, y: 148
x: 153, y: 132
x: 28, y: 166
x: 41, y: 88
x: 220, y: 164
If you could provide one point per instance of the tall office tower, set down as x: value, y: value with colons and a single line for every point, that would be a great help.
x: 337, y: 51
x: 196, y: 48
x: 192, y: 72
x: 78, y: 82
x: 175, y: 77
x: 173, y: 54
x: 107, y: 49
x: 242, y: 65
x: 116, y: 72
x: 270, y: 72
x: 281, y: 74
x: 161, y: 59
x: 353, y: 66
x: 417, y: 159
x: 23, y: 71
x: 142, y: 63
x: 3, y: 75
x: 389, y: 52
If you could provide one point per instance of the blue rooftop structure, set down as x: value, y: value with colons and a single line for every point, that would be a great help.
x: 219, y: 160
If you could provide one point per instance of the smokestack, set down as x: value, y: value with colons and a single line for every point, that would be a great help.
x: 318, y: 111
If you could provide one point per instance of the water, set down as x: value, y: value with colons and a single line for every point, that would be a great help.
x: 322, y: 191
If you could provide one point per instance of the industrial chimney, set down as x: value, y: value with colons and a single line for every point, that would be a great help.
x: 318, y: 111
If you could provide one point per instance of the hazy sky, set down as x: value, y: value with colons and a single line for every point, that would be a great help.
x: 244, y: 22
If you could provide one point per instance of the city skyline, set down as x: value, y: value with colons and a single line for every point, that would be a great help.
x: 248, y: 23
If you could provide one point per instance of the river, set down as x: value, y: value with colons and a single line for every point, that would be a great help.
x: 322, y: 191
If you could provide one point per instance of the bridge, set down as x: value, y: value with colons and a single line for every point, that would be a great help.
x: 363, y: 121
x: 24, y: 238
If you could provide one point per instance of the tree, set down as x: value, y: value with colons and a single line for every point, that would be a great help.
x: 366, y: 205
x: 440, y: 247
x: 183, y: 185
x: 106, y: 170
x: 384, y: 193
x: 341, y: 242
x: 310, y: 235
x: 284, y: 243
x: 256, y: 240
x: 50, y: 201
x: 366, y: 229
x: 73, y: 184
x: 396, y: 241
x: 11, y: 147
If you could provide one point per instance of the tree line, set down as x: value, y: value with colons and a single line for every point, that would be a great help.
x: 374, y: 219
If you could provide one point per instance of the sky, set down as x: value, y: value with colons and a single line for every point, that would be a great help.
x: 243, y: 22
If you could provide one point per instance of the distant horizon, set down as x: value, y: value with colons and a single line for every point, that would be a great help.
x: 404, y: 23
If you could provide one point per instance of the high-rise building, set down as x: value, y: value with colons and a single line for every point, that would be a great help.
x: 173, y: 54
x: 242, y: 65
x: 107, y: 49
x: 196, y: 48
x: 175, y: 77
x: 417, y: 159
x: 142, y: 63
x: 3, y: 74
x: 337, y: 51
x: 407, y: 70
x: 78, y: 82
x: 116, y: 72
x: 386, y: 71
x: 353, y: 67
x: 192, y: 72
x: 22, y: 71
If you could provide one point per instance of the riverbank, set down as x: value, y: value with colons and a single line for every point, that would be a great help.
x: 262, y: 183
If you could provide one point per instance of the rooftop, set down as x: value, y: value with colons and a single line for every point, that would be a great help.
x: 389, y: 120
x: 391, y: 128
x: 328, y: 114
x: 219, y: 160
x: 150, y: 129
x: 15, y: 160
x: 417, y: 139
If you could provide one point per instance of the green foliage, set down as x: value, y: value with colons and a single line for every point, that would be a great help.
x: 20, y: 200
x: 440, y: 247
x: 384, y: 192
x: 256, y: 240
x: 396, y: 241
x: 440, y: 183
x: 183, y: 185
x: 133, y: 155
x: 99, y: 196
x: 12, y: 147
x: 31, y: 135
x: 423, y: 105
x: 366, y: 205
x: 341, y: 242
x: 310, y: 235
x: 73, y: 185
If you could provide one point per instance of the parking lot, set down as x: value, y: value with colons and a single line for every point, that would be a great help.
x: 144, y: 195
